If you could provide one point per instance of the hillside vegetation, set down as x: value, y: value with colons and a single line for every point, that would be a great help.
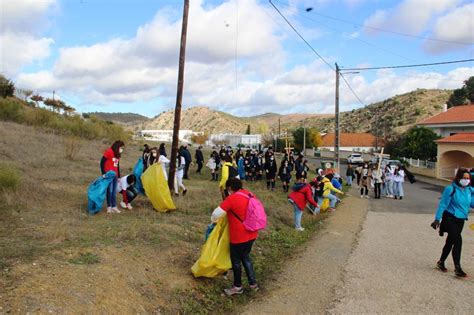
x: 390, y: 117
x: 124, y: 118
x: 210, y: 121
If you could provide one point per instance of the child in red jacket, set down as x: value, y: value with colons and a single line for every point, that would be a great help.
x: 301, y: 194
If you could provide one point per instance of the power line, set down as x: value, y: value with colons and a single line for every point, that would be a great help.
x: 352, y: 90
x: 410, y: 66
x: 294, y: 29
x: 384, y: 30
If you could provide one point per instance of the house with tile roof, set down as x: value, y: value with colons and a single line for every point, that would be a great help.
x: 354, y: 142
x: 456, y: 147
x: 451, y: 121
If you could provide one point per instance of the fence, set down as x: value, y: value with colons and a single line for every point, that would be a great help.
x: 420, y: 163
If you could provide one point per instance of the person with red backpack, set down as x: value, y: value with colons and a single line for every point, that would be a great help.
x: 246, y: 216
x: 301, y: 195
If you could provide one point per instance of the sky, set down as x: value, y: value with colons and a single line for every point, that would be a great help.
x: 241, y: 56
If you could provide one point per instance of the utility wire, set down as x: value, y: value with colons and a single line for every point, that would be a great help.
x: 352, y: 90
x: 384, y: 30
x: 294, y: 29
x: 409, y: 66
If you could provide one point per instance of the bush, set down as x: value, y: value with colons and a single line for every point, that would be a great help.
x: 9, y: 178
x: 11, y: 109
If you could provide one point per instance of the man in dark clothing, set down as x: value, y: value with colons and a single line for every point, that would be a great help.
x: 187, y: 158
x: 199, y: 159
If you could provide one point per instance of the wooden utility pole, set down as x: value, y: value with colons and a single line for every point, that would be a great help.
x: 304, y: 138
x: 336, y: 131
x: 179, y: 96
x: 279, y: 134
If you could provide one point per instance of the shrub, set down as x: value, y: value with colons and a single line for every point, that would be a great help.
x: 11, y: 109
x: 9, y: 178
x: 72, y: 147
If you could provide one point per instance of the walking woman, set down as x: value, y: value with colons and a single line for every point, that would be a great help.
x: 111, y: 162
x: 349, y: 175
x: 399, y: 179
x: 212, y: 165
x: 270, y: 172
x: 285, y: 174
x: 453, y: 209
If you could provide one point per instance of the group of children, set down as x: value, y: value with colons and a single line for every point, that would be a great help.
x: 386, y: 181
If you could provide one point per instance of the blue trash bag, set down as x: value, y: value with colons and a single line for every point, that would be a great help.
x: 209, y: 229
x: 97, y: 192
x: 138, y: 171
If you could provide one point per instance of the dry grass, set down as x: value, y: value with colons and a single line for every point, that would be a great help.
x: 146, y: 254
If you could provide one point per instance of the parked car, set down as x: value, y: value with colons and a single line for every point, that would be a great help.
x: 355, y: 158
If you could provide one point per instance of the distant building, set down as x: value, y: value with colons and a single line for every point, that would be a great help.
x: 454, y: 152
x: 355, y: 142
x: 451, y: 121
x: 164, y: 135
x: 251, y: 141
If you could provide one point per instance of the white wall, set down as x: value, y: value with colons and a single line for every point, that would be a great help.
x: 352, y: 149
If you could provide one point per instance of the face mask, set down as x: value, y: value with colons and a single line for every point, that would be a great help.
x: 120, y: 150
x: 464, y: 182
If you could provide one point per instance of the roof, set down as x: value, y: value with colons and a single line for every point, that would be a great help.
x: 462, y: 137
x: 456, y: 114
x: 351, y: 140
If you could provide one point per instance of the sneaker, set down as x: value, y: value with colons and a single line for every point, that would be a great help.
x: 361, y: 196
x: 440, y: 265
x: 123, y: 205
x: 401, y: 197
x: 176, y: 194
x: 233, y: 291
x: 115, y: 210
x: 300, y: 229
x: 254, y: 287
x: 331, y: 209
x: 185, y: 191
x: 366, y: 196
x: 109, y: 210
x: 129, y: 207
x: 395, y: 197
x: 458, y: 272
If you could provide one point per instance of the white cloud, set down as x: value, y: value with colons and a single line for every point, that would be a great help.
x: 456, y: 26
x: 410, y: 16
x: 20, y: 25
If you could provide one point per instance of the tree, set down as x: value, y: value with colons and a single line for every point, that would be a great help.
x: 262, y: 128
x: 36, y: 98
x: 419, y: 143
x: 457, y: 98
x: 25, y: 92
x: 248, y: 130
x: 298, y: 136
x: 316, y: 138
x: 469, y: 89
x: 7, y: 88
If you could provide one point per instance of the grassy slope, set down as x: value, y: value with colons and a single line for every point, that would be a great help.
x: 144, y: 257
x: 126, y: 118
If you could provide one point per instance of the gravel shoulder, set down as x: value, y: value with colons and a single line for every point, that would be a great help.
x: 308, y: 284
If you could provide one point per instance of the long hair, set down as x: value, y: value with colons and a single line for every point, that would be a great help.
x: 116, y: 147
x: 459, y: 175
x: 162, y: 149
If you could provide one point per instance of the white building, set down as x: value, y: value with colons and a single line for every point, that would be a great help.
x: 252, y: 141
x: 353, y: 142
x: 164, y: 135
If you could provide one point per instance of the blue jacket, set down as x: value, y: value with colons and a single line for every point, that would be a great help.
x: 336, y: 183
x: 458, y: 204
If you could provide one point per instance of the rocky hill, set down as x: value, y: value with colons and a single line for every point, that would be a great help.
x: 210, y: 121
x: 390, y: 117
x: 123, y: 118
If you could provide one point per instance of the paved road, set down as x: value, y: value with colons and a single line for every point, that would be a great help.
x: 392, y: 268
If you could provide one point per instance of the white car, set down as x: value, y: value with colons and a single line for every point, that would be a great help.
x: 355, y: 158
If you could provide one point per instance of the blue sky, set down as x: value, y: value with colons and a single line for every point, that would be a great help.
x: 242, y: 58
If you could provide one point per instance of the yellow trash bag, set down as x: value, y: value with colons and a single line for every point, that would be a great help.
x: 325, y: 204
x: 156, y: 188
x: 215, y: 253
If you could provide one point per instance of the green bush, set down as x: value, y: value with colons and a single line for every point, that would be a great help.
x: 9, y: 178
x: 11, y: 109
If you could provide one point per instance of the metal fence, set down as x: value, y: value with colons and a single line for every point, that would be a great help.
x: 420, y: 163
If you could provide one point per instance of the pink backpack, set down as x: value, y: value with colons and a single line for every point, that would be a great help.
x: 256, y: 218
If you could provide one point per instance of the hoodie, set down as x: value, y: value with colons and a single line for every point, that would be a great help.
x: 328, y: 187
x: 301, y: 195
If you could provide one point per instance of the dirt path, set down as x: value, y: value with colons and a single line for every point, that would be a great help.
x: 309, y: 283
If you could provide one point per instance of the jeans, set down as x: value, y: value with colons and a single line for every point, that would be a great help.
x: 349, y: 180
x: 398, y: 189
x: 390, y: 191
x: 377, y: 189
x: 112, y: 193
x: 332, y: 200
x: 240, y: 253
x: 132, y: 192
x: 298, y: 215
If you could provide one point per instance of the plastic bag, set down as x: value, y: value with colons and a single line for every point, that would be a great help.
x: 97, y: 192
x: 215, y: 253
x: 325, y: 204
x: 156, y: 188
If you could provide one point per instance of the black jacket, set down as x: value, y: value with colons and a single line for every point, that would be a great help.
x: 199, y: 156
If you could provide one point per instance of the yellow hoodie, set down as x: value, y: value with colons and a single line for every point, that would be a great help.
x: 224, y: 174
x: 328, y: 187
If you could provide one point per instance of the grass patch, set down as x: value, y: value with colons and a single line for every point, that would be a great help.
x: 9, y: 178
x: 85, y: 259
